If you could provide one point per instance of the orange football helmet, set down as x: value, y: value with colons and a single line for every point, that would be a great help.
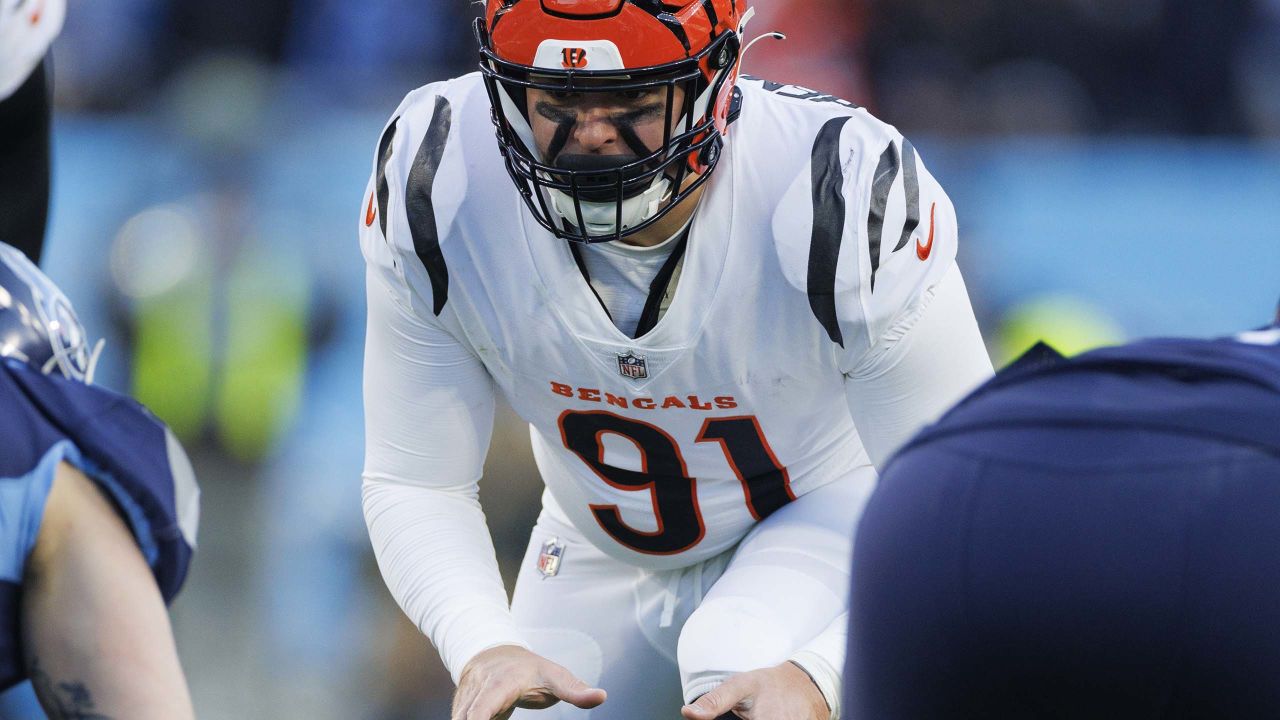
x: 623, y: 48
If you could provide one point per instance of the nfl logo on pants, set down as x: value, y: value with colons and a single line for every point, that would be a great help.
x: 632, y: 366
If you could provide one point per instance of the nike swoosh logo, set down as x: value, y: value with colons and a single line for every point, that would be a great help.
x: 371, y: 213
x: 922, y: 251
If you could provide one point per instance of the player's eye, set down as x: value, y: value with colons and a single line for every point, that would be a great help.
x: 632, y: 96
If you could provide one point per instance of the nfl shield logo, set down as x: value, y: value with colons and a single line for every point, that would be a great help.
x: 632, y: 366
x: 549, y: 558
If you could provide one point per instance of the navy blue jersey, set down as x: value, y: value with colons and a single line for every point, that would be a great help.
x: 1085, y: 537
x: 114, y: 441
x: 1228, y: 388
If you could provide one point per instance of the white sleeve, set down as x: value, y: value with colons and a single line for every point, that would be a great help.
x: 26, y: 31
x: 428, y: 419
x: 823, y: 659
x: 920, y: 367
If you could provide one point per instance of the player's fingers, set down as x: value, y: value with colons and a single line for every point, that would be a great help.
x: 718, y: 701
x: 488, y: 702
x: 570, y: 688
x: 486, y: 708
x: 463, y: 697
x: 467, y: 695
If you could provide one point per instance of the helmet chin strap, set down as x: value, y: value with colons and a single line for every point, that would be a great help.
x: 601, y: 218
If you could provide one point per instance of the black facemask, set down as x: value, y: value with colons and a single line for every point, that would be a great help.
x: 599, y: 185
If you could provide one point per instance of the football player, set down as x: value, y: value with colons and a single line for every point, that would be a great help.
x: 98, y: 513
x: 27, y: 27
x: 717, y: 301
x: 1093, y: 537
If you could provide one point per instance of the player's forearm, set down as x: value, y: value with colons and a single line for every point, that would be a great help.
x: 96, y: 631
x: 823, y: 660
x: 437, y: 559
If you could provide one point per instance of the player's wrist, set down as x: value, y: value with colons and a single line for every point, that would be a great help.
x: 826, y: 688
x: 504, y: 650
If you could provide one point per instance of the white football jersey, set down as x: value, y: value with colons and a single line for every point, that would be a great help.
x: 818, y: 235
x: 27, y: 28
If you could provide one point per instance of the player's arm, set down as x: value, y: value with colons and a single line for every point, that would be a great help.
x: 429, y: 406
x: 881, y: 279
x: 870, y: 236
x: 429, y: 413
x: 428, y: 418
x: 932, y: 359
x: 798, y: 688
x: 95, y: 628
x: 911, y: 346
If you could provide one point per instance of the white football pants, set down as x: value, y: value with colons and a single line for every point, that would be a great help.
x: 657, y: 639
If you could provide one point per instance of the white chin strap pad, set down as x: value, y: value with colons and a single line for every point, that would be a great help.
x: 600, y: 218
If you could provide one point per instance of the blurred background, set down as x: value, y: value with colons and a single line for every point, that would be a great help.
x: 1115, y: 167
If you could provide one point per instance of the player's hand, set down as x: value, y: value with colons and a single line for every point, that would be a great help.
x: 503, y: 678
x: 782, y: 692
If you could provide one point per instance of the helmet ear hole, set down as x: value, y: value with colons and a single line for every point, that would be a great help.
x: 727, y: 54
x: 706, y: 158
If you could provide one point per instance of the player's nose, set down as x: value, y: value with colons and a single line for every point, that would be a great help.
x: 595, y: 131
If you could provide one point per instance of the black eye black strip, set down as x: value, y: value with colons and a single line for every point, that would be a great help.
x: 632, y: 140
x: 560, y: 139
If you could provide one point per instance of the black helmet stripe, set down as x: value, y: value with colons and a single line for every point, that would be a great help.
x: 501, y: 13
x: 709, y: 8
x: 676, y: 28
x: 655, y: 8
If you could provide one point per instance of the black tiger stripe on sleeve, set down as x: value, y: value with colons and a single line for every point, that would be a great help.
x: 384, y: 156
x: 828, y: 225
x: 911, y: 186
x: 419, y: 207
x: 886, y: 173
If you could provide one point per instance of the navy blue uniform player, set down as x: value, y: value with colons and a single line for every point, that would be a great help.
x: 1087, y: 538
x: 98, y: 512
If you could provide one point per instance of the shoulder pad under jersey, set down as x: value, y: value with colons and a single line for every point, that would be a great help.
x: 118, y: 444
x: 862, y: 228
x: 418, y: 182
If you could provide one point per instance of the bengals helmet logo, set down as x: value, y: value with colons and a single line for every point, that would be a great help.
x: 575, y: 58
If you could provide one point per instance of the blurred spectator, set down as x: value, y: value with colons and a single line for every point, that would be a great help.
x: 1256, y: 73
x: 1068, y: 324
x: 1061, y: 66
x: 824, y: 47
x: 376, y: 52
